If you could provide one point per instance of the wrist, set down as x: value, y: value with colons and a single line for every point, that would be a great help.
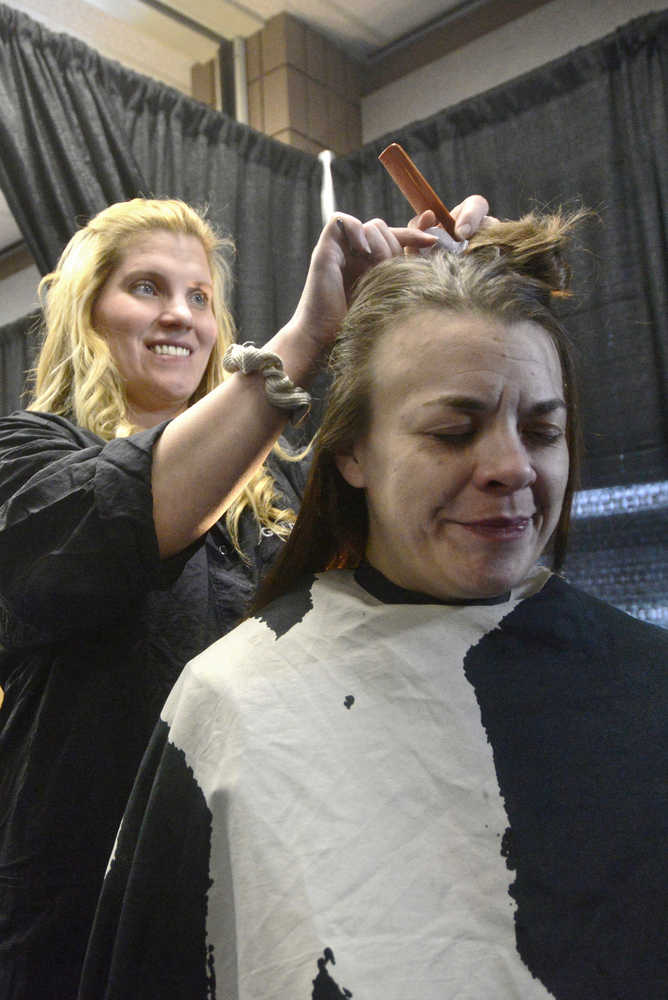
x: 280, y: 390
x: 303, y: 354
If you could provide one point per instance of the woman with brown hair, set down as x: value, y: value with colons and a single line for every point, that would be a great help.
x: 140, y: 503
x: 426, y: 766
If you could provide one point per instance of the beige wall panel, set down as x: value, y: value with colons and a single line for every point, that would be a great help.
x: 316, y: 60
x: 255, y: 105
x: 254, y: 57
x: 298, y: 101
x: 274, y: 44
x: 275, y: 101
x: 295, y: 42
x: 317, y: 111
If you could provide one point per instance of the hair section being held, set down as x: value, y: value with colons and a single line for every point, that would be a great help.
x: 535, y: 245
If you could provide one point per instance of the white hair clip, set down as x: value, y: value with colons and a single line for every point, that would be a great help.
x: 445, y: 242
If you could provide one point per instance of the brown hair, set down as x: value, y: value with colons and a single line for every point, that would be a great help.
x: 510, y: 272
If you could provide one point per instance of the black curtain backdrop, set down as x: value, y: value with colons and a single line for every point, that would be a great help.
x: 78, y: 132
x: 18, y: 349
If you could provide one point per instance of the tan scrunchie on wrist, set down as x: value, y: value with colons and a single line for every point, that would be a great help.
x: 279, y: 388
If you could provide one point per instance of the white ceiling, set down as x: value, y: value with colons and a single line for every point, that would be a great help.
x: 361, y: 26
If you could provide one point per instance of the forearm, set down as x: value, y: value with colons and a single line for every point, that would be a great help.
x: 206, y: 455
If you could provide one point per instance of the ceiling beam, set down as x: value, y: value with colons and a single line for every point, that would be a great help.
x: 181, y: 18
x: 459, y: 26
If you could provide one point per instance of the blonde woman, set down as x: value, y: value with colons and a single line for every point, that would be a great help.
x: 139, y: 506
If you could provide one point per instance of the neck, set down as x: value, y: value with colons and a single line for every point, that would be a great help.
x: 146, y: 418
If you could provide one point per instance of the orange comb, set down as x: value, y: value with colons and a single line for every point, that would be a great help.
x: 417, y: 191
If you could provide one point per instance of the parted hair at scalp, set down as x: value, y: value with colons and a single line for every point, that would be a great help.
x: 510, y: 272
x: 75, y: 374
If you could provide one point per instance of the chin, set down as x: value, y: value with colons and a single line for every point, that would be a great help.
x: 486, y: 584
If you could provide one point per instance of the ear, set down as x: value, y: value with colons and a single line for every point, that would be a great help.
x: 351, y: 468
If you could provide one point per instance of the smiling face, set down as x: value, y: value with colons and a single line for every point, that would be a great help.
x: 155, y: 310
x: 465, y: 461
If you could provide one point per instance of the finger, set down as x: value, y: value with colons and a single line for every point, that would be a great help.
x: 469, y: 215
x: 382, y: 240
x: 413, y: 239
x: 425, y: 220
x: 351, y: 235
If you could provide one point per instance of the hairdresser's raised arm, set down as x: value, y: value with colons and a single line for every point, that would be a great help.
x: 209, y: 451
x: 346, y: 249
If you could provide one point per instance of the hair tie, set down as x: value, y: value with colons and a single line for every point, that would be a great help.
x: 279, y: 388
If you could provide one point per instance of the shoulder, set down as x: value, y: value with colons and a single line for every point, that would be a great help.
x: 304, y: 625
x: 563, y: 613
x: 286, y: 647
x: 28, y: 425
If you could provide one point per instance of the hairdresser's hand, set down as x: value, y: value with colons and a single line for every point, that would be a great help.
x: 470, y: 216
x: 346, y: 249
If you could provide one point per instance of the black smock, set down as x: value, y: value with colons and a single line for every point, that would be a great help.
x: 94, y: 630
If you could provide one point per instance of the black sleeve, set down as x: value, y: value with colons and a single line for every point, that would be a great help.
x: 77, y: 539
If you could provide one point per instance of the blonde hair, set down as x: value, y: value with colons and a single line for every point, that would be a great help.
x: 75, y: 374
x: 510, y: 272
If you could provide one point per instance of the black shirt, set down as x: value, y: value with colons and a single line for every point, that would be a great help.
x: 94, y: 630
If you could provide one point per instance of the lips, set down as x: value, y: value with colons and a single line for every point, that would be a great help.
x: 500, y: 528
x: 170, y: 350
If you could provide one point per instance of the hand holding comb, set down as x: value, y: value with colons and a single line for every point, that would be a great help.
x: 416, y: 190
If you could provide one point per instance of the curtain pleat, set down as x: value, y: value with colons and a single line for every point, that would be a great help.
x: 18, y: 349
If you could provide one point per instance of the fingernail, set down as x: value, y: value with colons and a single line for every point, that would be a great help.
x: 353, y: 251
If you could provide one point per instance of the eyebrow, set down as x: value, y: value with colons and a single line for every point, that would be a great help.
x: 547, y: 406
x: 472, y: 404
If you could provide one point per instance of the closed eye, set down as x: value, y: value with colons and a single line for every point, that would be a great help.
x: 544, y: 435
x: 454, y: 435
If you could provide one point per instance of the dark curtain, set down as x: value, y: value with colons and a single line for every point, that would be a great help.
x: 588, y: 128
x: 18, y: 347
x: 79, y: 132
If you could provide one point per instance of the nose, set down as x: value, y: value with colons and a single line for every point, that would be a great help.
x: 503, y: 463
x: 177, y: 313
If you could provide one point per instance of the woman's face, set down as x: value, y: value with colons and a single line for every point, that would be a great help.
x: 465, y: 461
x: 155, y: 310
